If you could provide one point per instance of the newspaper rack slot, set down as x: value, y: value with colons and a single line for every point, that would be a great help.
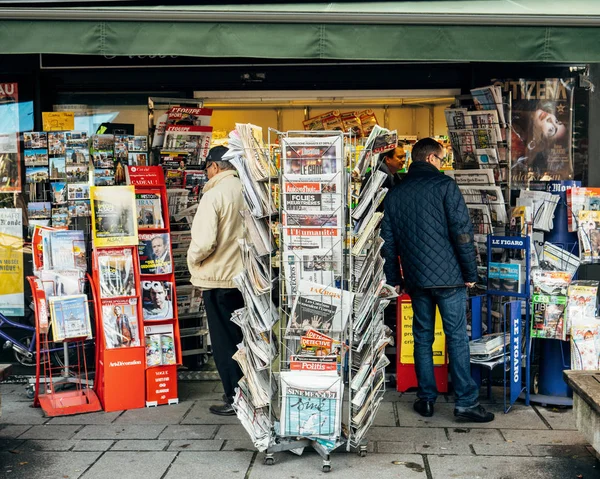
x: 162, y: 336
x: 70, y: 315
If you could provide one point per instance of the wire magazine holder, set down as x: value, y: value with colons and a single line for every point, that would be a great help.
x: 67, y: 387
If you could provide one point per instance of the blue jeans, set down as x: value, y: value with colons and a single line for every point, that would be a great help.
x: 453, y: 305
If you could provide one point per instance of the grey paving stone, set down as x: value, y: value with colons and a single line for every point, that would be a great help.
x: 520, y: 417
x: 92, y: 418
x: 14, y: 412
x: 93, y: 445
x: 140, y: 445
x: 501, y: 449
x: 408, y: 397
x: 165, y: 414
x: 391, y: 395
x: 385, y: 415
x: 387, y: 447
x: 218, y: 387
x: 116, y: 432
x: 50, y: 432
x: 193, y: 390
x: 12, y: 431
x: 10, y: 444
x: 210, y: 465
x: 131, y: 465
x: 543, y: 437
x: 347, y: 466
x: 196, y: 445
x: 466, y: 435
x: 239, y: 445
x: 407, y: 434
x: 188, y: 432
x: 560, y: 451
x: 201, y: 415
x: 490, y: 467
x: 451, y: 448
x: 47, y: 445
x: 40, y: 464
x: 231, y: 432
x: 558, y: 418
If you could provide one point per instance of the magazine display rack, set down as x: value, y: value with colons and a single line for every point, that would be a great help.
x: 157, y: 278
x: 326, y: 339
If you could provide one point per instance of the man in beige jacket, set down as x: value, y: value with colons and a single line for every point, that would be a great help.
x: 213, y: 260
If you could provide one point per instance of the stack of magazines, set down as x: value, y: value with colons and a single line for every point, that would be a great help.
x: 489, y: 350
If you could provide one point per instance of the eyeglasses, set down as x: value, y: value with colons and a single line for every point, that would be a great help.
x: 441, y: 159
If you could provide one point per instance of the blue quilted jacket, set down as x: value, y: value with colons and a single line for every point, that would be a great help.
x: 427, y: 225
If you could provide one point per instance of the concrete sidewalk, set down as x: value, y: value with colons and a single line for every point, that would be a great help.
x: 186, y: 441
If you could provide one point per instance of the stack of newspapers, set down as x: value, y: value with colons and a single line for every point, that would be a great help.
x: 369, y: 336
x: 259, y: 348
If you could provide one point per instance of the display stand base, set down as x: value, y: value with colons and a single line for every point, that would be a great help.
x: 66, y: 403
x: 155, y: 403
x: 545, y: 400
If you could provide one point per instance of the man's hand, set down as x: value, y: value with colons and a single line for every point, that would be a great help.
x: 469, y: 285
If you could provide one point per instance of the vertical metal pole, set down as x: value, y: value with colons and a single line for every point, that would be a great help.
x: 431, y: 120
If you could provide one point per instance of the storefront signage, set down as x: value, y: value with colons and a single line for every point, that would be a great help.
x: 508, y: 242
x: 515, y: 354
x: 145, y: 176
x: 58, y: 120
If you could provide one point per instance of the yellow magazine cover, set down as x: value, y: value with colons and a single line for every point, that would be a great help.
x: 114, y: 217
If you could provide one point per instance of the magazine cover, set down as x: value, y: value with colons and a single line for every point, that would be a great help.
x: 149, y: 210
x: 312, y: 156
x: 157, y: 300
x: 62, y: 282
x: 155, y: 253
x: 113, y: 216
x: 311, y: 404
x: 35, y: 139
x: 504, y: 277
x: 120, y: 323
x: 191, y: 139
x: 317, y: 266
x: 542, y: 129
x: 311, y: 195
x: 323, y: 308
x: 589, y: 236
x: 312, y: 219
x: 585, y: 344
x: 115, y: 270
x: 70, y: 317
x: 68, y: 250
x: 549, y: 304
x: 581, y: 302
x: 10, y: 172
x: 194, y: 180
x: 179, y: 115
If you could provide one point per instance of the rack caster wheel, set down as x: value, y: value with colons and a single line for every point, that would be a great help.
x: 30, y: 392
x: 269, y: 461
x: 362, y: 453
x: 326, y: 468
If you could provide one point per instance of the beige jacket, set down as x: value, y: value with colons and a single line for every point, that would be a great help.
x: 214, y: 255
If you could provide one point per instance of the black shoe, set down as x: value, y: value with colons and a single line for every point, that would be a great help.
x: 222, y: 410
x: 474, y: 414
x: 423, y: 407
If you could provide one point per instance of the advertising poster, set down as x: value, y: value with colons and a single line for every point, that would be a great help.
x: 407, y: 347
x: 542, y: 129
x: 10, y: 172
x: 11, y: 262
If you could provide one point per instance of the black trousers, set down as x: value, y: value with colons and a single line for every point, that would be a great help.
x: 224, y: 334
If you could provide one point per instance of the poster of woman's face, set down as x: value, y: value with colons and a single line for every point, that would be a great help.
x: 542, y: 122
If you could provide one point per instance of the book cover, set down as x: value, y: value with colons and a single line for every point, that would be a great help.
x: 115, y: 273
x: 155, y: 253
x: 149, y: 210
x: 70, y: 317
x: 113, y: 216
x: 157, y: 300
x: 68, y: 250
x: 120, y: 323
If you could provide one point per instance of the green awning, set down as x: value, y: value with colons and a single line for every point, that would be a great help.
x: 497, y: 30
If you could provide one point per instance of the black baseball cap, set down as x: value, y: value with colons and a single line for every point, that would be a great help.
x: 216, y: 153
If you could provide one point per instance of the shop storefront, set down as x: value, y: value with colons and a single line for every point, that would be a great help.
x: 278, y: 67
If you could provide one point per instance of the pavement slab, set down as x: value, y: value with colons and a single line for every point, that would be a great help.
x: 200, y: 414
x: 407, y: 434
x: 126, y: 431
x: 454, y: 449
x: 560, y: 451
x: 131, y: 465
x: 50, y: 432
x: 41, y: 464
x: 386, y: 415
x: 467, y: 435
x: 140, y: 445
x: 236, y: 432
x: 543, y: 437
x: 501, y: 449
x: 196, y: 445
x: 11, y: 431
x: 93, y: 445
x: 14, y: 412
x: 244, y: 444
x: 388, y: 447
x: 558, y: 418
x: 166, y: 414
x: 346, y: 466
x: 188, y: 432
x: 198, y: 389
x: 47, y: 445
x: 486, y: 467
x: 10, y: 444
x: 210, y: 465
x: 92, y: 418
x: 520, y: 417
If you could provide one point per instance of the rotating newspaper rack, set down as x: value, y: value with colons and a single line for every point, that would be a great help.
x: 324, y: 328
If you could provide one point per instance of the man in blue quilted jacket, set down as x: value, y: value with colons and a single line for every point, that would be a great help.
x: 427, y: 226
